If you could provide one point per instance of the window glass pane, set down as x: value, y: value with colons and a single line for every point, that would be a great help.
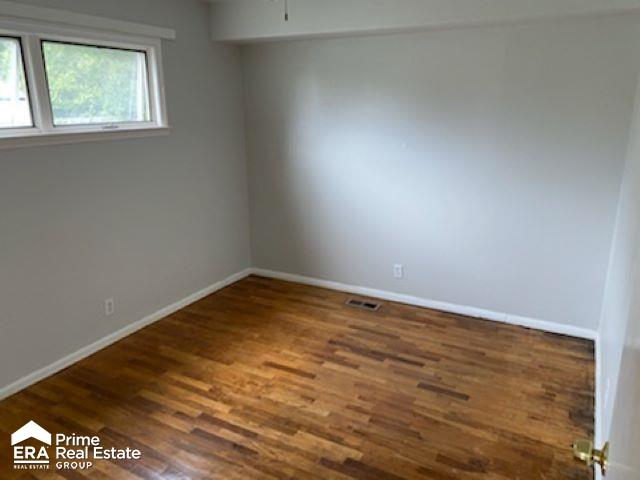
x: 15, y: 111
x: 90, y: 85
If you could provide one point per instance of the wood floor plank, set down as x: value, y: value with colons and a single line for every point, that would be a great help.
x: 276, y: 380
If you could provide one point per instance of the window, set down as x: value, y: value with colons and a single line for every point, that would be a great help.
x: 57, y: 83
x: 15, y: 110
x: 96, y: 85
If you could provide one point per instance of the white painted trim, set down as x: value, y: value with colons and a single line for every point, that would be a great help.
x: 80, y: 137
x: 544, y: 325
x: 84, y: 352
x: 598, y: 433
x: 64, y: 17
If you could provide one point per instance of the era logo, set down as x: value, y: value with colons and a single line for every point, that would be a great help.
x: 25, y: 456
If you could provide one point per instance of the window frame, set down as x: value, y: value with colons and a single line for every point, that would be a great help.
x: 31, y: 36
x: 104, y: 125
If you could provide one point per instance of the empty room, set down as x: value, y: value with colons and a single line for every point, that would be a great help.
x: 320, y: 239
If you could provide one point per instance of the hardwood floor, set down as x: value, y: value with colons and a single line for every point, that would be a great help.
x: 268, y: 379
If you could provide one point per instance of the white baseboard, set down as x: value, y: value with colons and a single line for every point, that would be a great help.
x: 544, y: 325
x: 84, y: 352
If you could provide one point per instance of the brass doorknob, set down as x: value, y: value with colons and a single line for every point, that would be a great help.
x: 583, y: 450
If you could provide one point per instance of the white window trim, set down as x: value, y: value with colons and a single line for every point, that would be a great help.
x: 43, y: 132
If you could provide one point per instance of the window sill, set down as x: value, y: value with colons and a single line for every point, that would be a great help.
x: 62, y: 138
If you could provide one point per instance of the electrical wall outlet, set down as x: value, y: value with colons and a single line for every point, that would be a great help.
x: 109, y: 307
x: 398, y: 271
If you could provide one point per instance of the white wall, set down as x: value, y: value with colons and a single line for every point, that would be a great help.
x: 622, y: 281
x: 247, y: 20
x: 145, y: 221
x: 488, y: 161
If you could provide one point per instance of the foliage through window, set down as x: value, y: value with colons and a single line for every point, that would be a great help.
x: 15, y: 110
x: 96, y: 85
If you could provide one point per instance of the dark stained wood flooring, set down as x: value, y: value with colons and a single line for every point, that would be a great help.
x: 268, y: 379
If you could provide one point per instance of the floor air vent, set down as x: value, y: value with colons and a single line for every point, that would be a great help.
x: 363, y: 304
